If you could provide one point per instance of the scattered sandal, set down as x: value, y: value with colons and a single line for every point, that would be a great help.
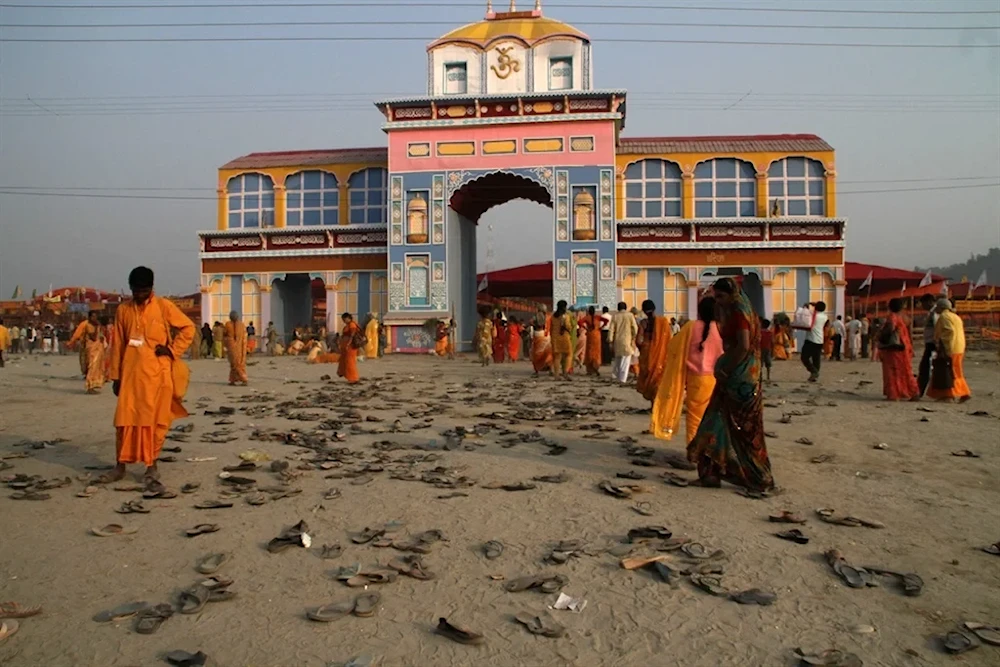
x: 988, y: 634
x: 793, y: 535
x: 330, y: 551
x: 150, y: 620
x: 546, y: 583
x: 194, y: 599
x: 120, y: 612
x: 644, y: 508
x: 540, y: 625
x: 185, y: 659
x: 616, y: 491
x: 493, y: 549
x: 133, y: 507
x: 855, y: 577
x: 202, y: 529
x: 16, y: 610
x: 212, y: 505
x: 828, y: 658
x: 8, y: 628
x: 993, y: 549
x: 674, y: 479
x: 332, y: 612
x: 959, y: 641
x: 829, y: 515
x: 457, y: 633
x: 912, y: 584
x: 754, y: 596
x: 113, y: 529
x: 211, y: 563
x: 968, y: 453
x: 709, y: 584
x: 786, y: 517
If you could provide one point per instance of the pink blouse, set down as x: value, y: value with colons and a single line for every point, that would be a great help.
x: 702, y: 362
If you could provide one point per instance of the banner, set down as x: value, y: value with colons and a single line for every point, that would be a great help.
x: 965, y: 306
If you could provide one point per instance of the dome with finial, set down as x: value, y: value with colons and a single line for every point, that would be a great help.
x: 529, y: 27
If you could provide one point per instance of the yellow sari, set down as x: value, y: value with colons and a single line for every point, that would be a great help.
x: 679, y: 388
x: 371, y: 334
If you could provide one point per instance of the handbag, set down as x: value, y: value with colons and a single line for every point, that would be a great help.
x: 359, y: 339
x: 942, y: 373
x: 179, y: 371
x: 889, y: 339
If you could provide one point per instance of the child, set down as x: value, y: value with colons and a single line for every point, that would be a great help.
x: 766, y: 345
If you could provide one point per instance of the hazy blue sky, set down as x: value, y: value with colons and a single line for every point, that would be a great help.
x: 113, y: 117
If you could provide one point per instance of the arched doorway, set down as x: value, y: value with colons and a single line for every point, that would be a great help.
x: 472, y: 204
x: 292, y: 300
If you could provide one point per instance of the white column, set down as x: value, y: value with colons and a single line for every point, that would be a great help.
x: 206, y: 306
x: 331, y: 307
x: 768, y: 301
x: 265, y: 308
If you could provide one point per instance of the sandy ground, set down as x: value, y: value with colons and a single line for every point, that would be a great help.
x: 938, y: 509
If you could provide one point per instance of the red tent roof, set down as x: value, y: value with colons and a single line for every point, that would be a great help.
x: 858, y: 271
x: 516, y: 274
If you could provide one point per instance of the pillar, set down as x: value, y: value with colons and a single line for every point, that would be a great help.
x: 693, y: 301
x: 620, y: 195
x: 265, y: 306
x: 331, y: 307
x: 280, y: 203
x: 687, y: 195
x: 222, y: 208
x: 762, y: 209
x: 768, y: 300
x: 830, y: 190
x: 206, y: 305
x: 839, y: 299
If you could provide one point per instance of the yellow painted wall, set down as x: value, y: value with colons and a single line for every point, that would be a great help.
x: 634, y: 287
x: 343, y: 172
x: 761, y: 162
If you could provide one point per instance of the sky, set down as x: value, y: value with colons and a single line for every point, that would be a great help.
x: 141, y: 127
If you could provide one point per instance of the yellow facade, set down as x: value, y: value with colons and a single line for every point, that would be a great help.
x: 761, y: 162
x: 342, y: 172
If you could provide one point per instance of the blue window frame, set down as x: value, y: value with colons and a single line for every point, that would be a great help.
x: 251, y: 201
x: 653, y: 189
x: 725, y: 188
x: 313, y: 198
x: 367, y: 192
x: 798, y: 184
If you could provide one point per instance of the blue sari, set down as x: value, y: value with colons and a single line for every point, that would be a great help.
x: 729, y: 444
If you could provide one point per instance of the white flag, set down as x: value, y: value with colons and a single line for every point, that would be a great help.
x: 867, y: 282
x: 980, y: 281
x: 903, y: 291
x: 944, y: 287
x: 926, y: 280
x: 483, y: 284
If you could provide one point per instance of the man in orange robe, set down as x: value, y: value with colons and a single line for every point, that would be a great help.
x: 235, y: 338
x: 142, y: 354
x: 347, y: 367
x: 654, y: 335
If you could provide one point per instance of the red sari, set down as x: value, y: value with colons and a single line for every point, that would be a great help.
x: 499, y: 341
x: 592, y: 360
x: 514, y: 341
x: 898, y: 383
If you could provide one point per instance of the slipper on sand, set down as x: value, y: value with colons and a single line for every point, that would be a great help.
x: 793, y: 535
x: 332, y: 611
x: 958, y: 641
x: 988, y: 634
x: 212, y: 505
x: 366, y: 604
x: 212, y: 562
x: 194, y: 599
x: 829, y: 658
x: 754, y: 596
x: 113, y: 529
x: 202, y: 529
x: 457, y: 633
x: 185, y: 659
x: 493, y: 549
x: 150, y: 620
x: 16, y: 610
x: 539, y: 625
x: 8, y: 628
x: 121, y: 611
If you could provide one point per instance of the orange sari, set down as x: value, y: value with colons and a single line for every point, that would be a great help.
x: 541, y: 347
x: 593, y: 356
x: 652, y: 356
x: 514, y: 341
x: 94, y: 346
x: 236, y: 348
x: 441, y: 340
x: 347, y: 367
x: 898, y: 383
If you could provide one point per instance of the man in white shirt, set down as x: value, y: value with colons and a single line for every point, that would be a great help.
x: 839, y: 334
x: 812, y: 349
x: 674, y: 327
x: 853, y: 338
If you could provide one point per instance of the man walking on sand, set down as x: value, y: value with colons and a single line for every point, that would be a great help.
x: 621, y: 337
x: 142, y: 356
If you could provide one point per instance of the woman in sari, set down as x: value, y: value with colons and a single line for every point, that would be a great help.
x: 513, y: 340
x: 94, y: 344
x: 583, y: 324
x: 347, y: 366
x: 688, y: 375
x: 541, y: 343
x: 654, y: 336
x: 592, y: 359
x: 896, y: 352
x: 729, y: 444
x: 828, y: 340
x: 441, y: 338
x: 484, y: 338
x: 782, y: 342
x: 218, y: 333
x: 499, y: 338
x: 949, y: 344
x: 371, y: 334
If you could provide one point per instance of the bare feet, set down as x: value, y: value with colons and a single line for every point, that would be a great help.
x: 114, y: 476
x: 152, y: 472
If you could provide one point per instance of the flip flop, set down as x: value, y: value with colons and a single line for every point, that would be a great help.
x: 968, y: 453
x: 411, y: 566
x: 631, y: 474
x: 212, y: 505
x: 674, y: 479
x: 257, y: 498
x: 640, y: 561
x: 539, y: 625
x: 29, y: 495
x: 242, y: 466
x: 332, y: 494
x: 330, y: 551
x: 709, y: 584
x: 673, y: 544
x: 193, y: 599
x: 185, y: 659
x: 667, y: 572
x: 855, y: 577
x: 754, y: 596
x: 211, y: 563
x: 366, y: 604
x: 649, y: 532
x: 457, y: 633
x: 15, y: 610
x: 988, y: 634
x: 793, y: 535
x: 331, y: 612
x: 956, y: 642
x: 202, y: 529
x: 616, y: 491
x: 698, y: 551
x: 9, y: 628
x: 552, y: 479
x: 190, y: 487
x: 493, y: 549
x: 912, y: 584
x: 519, y: 486
x: 786, y: 516
x: 113, y: 529
x: 121, y: 611
x: 367, y: 535
x: 150, y: 620
x: 133, y: 507
x: 993, y: 549
x: 828, y: 658
x: 822, y: 458
x: 644, y: 508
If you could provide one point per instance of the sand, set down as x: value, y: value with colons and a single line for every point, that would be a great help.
x: 937, y: 508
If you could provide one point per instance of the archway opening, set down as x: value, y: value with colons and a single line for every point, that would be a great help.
x: 293, y: 304
x: 504, y: 220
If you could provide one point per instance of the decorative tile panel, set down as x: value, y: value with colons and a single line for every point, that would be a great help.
x: 439, y: 296
x: 581, y: 144
x: 397, y: 296
x: 586, y: 282
x: 608, y: 269
x: 562, y: 269
x: 437, y: 274
x: 607, y: 293
x: 437, y: 210
x: 544, y: 176
x: 396, y: 272
x: 562, y: 228
x: 562, y: 290
x: 418, y: 149
x: 562, y: 205
x: 562, y: 182
x: 607, y: 181
x: 396, y: 211
x: 553, y: 145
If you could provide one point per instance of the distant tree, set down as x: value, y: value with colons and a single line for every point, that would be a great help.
x: 990, y: 262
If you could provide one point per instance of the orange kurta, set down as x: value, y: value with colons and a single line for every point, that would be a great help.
x: 94, y: 347
x: 652, y: 356
x: 441, y: 341
x: 236, y: 347
x: 347, y: 367
x: 146, y: 404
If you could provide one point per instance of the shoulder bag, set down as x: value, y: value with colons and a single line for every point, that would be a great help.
x: 179, y: 371
x: 889, y: 339
x: 942, y: 373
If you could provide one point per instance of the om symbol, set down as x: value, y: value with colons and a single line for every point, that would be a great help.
x: 506, y: 64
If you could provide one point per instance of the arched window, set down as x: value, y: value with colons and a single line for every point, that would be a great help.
x: 251, y: 305
x: 653, y: 189
x: 313, y: 199
x: 798, y: 185
x: 417, y: 281
x: 634, y: 287
x: 251, y: 201
x: 368, y: 195
x: 675, y: 295
x: 821, y: 289
x: 379, y: 294
x: 347, y: 297
x: 725, y: 188
x: 784, y: 294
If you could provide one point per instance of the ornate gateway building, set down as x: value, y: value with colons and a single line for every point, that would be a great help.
x: 511, y: 112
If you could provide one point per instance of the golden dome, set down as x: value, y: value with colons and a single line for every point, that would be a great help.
x: 418, y: 203
x: 527, y: 27
x: 584, y: 198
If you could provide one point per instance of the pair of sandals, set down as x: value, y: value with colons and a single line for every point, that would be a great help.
x: 364, y: 606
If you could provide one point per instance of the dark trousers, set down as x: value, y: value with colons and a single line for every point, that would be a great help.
x: 605, y: 348
x: 864, y: 346
x: 924, y: 370
x: 811, y: 355
x: 838, y: 345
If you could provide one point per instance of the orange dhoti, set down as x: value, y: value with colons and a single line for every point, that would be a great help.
x: 514, y: 343
x: 960, y: 389
x: 236, y: 349
x: 347, y: 366
x: 441, y: 346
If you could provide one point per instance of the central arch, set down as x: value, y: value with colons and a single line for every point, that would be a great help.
x: 469, y: 202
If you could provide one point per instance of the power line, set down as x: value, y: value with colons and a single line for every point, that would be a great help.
x: 479, y: 6
x: 670, y: 24
x: 382, y: 38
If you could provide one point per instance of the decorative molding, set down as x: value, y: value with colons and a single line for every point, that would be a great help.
x: 501, y: 120
x: 396, y: 210
x: 272, y: 231
x: 544, y: 145
x: 562, y: 212
x: 439, y: 295
x: 799, y: 220
x: 437, y: 210
x: 455, y: 148
x: 607, y: 269
x: 397, y: 296
x: 456, y: 180
x: 437, y: 272
x: 420, y: 149
x: 396, y: 272
x: 562, y: 270
x: 499, y: 147
x: 581, y: 144
x: 731, y: 245
x: 314, y: 252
